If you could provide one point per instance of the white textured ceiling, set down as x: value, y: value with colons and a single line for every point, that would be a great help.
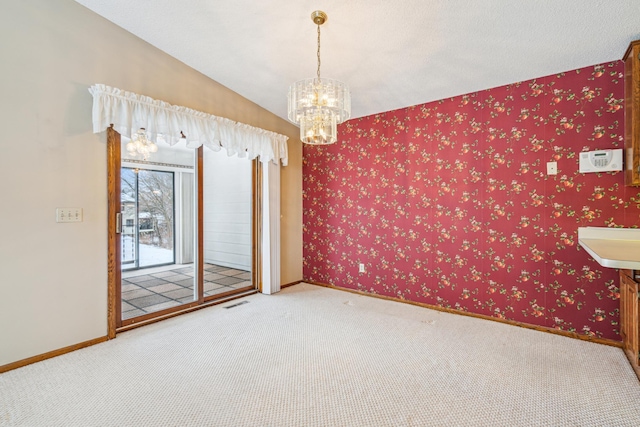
x: 392, y: 54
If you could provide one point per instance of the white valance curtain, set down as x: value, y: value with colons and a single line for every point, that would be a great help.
x: 128, y: 112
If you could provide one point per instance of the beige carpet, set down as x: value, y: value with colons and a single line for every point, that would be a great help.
x: 310, y: 356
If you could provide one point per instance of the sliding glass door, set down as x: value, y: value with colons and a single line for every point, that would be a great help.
x: 158, y: 232
x: 185, y: 229
x: 228, y: 216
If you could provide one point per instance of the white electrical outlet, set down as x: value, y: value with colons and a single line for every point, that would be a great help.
x: 552, y: 168
x: 68, y: 214
x: 361, y: 268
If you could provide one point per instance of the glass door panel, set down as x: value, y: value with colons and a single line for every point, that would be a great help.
x: 227, y: 204
x: 158, y: 200
x: 155, y: 218
x: 129, y: 209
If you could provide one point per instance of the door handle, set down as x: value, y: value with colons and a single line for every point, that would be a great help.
x: 119, y: 223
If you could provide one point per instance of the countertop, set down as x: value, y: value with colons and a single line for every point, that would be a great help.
x: 612, y: 247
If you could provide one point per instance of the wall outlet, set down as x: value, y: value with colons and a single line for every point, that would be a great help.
x: 361, y: 268
x: 68, y: 214
x: 552, y: 168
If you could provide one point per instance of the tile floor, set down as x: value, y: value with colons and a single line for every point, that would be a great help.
x: 146, y: 291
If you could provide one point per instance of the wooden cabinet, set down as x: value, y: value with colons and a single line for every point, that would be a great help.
x: 632, y: 114
x: 630, y: 318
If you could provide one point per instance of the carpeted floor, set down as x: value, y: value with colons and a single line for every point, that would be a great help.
x: 311, y: 356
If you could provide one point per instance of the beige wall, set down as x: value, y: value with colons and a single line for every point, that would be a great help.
x: 53, y: 280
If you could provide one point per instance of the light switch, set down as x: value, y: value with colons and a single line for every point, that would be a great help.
x: 552, y: 168
x: 68, y: 214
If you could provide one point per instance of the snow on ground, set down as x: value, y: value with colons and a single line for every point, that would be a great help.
x: 152, y: 255
x: 149, y: 254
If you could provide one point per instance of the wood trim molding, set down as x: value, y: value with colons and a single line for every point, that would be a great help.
x: 286, y: 285
x: 200, y: 223
x: 604, y: 341
x: 50, y: 354
x: 632, y: 113
x: 114, y: 249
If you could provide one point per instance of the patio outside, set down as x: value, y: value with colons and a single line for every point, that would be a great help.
x: 158, y: 231
x: 150, y: 290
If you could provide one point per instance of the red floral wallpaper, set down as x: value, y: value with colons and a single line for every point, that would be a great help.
x: 448, y: 203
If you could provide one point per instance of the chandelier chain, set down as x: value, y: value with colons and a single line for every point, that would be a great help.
x: 318, y: 51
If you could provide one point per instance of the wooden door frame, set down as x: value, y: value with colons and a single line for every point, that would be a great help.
x: 114, y: 273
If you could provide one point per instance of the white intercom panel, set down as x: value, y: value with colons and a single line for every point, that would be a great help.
x: 601, y: 161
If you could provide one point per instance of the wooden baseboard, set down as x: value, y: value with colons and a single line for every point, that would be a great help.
x: 597, y: 340
x: 50, y: 354
x: 286, y: 285
x: 633, y: 360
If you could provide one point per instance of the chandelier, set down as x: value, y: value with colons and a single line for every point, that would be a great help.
x: 140, y: 144
x: 319, y: 105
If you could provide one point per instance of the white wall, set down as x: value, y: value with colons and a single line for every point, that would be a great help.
x: 227, y: 210
x: 53, y: 280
